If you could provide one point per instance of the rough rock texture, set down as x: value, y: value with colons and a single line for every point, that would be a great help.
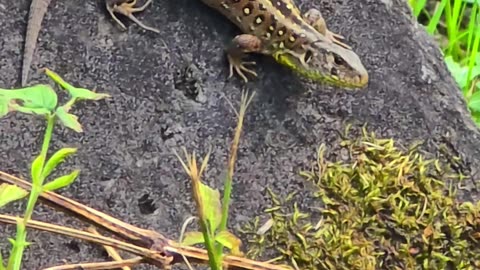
x: 125, y: 152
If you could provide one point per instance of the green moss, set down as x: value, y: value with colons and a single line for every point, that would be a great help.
x: 382, y: 209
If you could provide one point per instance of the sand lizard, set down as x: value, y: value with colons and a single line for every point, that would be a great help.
x: 301, y: 42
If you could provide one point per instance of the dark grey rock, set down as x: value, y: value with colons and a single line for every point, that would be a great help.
x: 125, y: 152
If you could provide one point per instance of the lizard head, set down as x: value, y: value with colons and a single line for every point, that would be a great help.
x: 326, y: 62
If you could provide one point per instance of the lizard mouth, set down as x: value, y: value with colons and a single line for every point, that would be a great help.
x: 357, y: 81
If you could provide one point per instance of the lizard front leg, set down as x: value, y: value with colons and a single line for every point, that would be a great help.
x: 314, y: 18
x: 241, y: 45
x: 127, y: 8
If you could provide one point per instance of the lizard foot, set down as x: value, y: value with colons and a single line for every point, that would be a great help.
x: 315, y: 19
x: 241, y: 45
x: 127, y: 8
x: 238, y: 65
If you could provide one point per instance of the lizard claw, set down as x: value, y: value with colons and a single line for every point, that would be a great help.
x: 335, y: 38
x: 239, y: 66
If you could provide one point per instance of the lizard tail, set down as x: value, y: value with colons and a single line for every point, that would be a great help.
x: 38, y: 8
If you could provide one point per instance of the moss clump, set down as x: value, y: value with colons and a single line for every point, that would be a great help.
x: 383, y: 209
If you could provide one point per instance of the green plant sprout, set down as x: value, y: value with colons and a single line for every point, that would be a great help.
x: 213, y: 213
x: 40, y: 100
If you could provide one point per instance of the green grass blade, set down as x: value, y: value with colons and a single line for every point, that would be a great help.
x: 474, y: 31
x: 418, y: 6
x: 434, y: 21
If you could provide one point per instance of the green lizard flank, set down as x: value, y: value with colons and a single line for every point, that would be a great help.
x: 302, y: 43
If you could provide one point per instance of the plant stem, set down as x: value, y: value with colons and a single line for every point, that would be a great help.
x: 2, y: 267
x: 231, y: 165
x: 20, y: 241
x: 215, y: 260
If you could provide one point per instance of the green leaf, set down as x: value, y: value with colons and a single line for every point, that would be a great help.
x: 76, y: 93
x: 61, y: 181
x: 12, y: 241
x: 82, y: 93
x: 10, y: 193
x: 69, y: 120
x: 16, y: 243
x: 57, y: 79
x: 56, y: 159
x: 37, y: 167
x: 474, y: 102
x: 460, y: 73
x: 477, y: 121
x: 192, y: 238
x: 211, y: 205
x: 38, y: 99
x: 475, y: 71
x: 230, y: 241
x: 40, y: 96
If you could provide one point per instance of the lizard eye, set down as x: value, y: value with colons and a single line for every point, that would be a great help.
x: 338, y: 60
x: 308, y: 56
